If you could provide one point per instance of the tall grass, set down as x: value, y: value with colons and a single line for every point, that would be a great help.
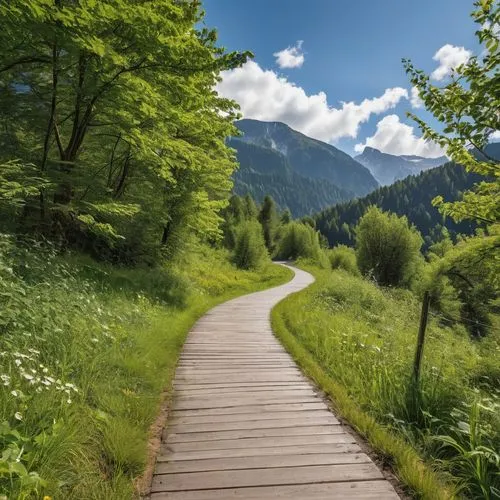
x: 86, y: 352
x: 364, y: 338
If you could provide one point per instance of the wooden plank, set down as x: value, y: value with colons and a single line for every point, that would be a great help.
x: 264, y: 477
x: 293, y: 393
x: 252, y: 424
x: 317, y: 404
x: 215, y: 391
x: 216, y: 403
x: 364, y: 490
x: 268, y: 462
x: 168, y: 455
x: 241, y: 385
x: 180, y: 418
x: 272, y: 442
x: 172, y: 437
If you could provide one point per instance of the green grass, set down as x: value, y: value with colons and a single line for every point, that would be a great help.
x: 357, y: 342
x: 115, y: 335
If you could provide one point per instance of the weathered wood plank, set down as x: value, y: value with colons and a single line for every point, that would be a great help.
x: 264, y: 477
x: 267, y: 462
x: 364, y: 490
x: 317, y: 404
x: 252, y: 424
x: 180, y: 418
x: 272, y: 442
x: 306, y: 449
x: 172, y: 437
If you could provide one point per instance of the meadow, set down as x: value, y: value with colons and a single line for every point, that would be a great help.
x: 357, y: 341
x: 88, y: 352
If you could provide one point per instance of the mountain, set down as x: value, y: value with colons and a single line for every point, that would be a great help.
x: 387, y: 168
x: 267, y: 171
x: 309, y: 157
x: 412, y: 197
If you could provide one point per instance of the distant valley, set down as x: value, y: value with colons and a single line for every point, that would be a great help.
x: 301, y: 173
x: 387, y: 168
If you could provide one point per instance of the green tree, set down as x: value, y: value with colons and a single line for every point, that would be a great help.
x: 387, y: 247
x: 286, y: 216
x: 269, y: 219
x: 250, y: 249
x: 113, y: 102
x: 250, y: 208
x: 468, y: 107
x: 299, y: 240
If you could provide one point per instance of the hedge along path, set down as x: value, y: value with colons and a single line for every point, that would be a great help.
x: 246, y: 424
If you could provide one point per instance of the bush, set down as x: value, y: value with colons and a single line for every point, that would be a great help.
x: 299, y: 240
x: 388, y: 248
x: 343, y: 257
x: 250, y: 249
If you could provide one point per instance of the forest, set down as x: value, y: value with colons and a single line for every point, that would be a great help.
x: 119, y: 228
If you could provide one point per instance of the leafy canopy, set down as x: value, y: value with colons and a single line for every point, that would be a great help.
x: 468, y: 106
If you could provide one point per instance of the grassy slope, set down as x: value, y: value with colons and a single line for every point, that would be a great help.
x: 116, y: 335
x: 357, y: 342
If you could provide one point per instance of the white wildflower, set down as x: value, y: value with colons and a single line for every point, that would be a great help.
x: 18, y: 416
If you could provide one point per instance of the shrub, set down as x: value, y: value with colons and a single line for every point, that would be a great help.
x: 343, y: 257
x: 388, y: 248
x: 299, y: 240
x: 250, y: 249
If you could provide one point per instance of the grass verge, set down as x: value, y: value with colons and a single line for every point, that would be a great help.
x: 419, y: 478
x: 88, y: 353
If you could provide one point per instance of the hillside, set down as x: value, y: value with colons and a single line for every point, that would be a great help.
x: 266, y: 171
x: 387, y: 168
x: 309, y: 157
x: 411, y: 197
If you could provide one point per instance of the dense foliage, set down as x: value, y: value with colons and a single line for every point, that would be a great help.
x: 387, y: 247
x: 411, y: 197
x: 109, y: 111
x: 468, y: 106
x: 86, y: 351
x: 363, y: 337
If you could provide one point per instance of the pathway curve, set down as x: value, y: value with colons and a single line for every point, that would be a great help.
x: 246, y: 424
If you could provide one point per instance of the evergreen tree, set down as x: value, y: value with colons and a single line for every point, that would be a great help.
x: 269, y: 219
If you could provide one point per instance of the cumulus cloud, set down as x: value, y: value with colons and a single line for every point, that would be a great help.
x: 264, y: 95
x: 495, y: 136
x: 397, y: 138
x: 415, y: 100
x: 291, y: 57
x: 449, y: 57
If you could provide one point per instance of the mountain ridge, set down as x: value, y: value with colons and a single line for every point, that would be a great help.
x: 309, y: 157
x: 388, y: 168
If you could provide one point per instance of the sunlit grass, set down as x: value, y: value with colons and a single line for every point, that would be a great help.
x: 88, y: 352
x: 358, y: 341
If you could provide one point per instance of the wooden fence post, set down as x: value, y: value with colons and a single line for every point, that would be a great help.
x: 421, y: 339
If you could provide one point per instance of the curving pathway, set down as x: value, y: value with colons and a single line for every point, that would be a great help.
x: 246, y: 424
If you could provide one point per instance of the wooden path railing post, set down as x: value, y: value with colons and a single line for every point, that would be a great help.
x: 421, y: 339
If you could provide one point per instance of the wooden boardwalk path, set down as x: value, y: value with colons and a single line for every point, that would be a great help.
x: 246, y: 424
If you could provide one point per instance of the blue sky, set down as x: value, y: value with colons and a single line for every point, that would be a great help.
x: 351, y: 52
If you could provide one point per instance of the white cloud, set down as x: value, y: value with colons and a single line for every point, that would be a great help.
x: 291, y: 57
x: 397, y: 138
x: 495, y: 136
x: 415, y: 100
x: 263, y: 95
x: 449, y: 57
